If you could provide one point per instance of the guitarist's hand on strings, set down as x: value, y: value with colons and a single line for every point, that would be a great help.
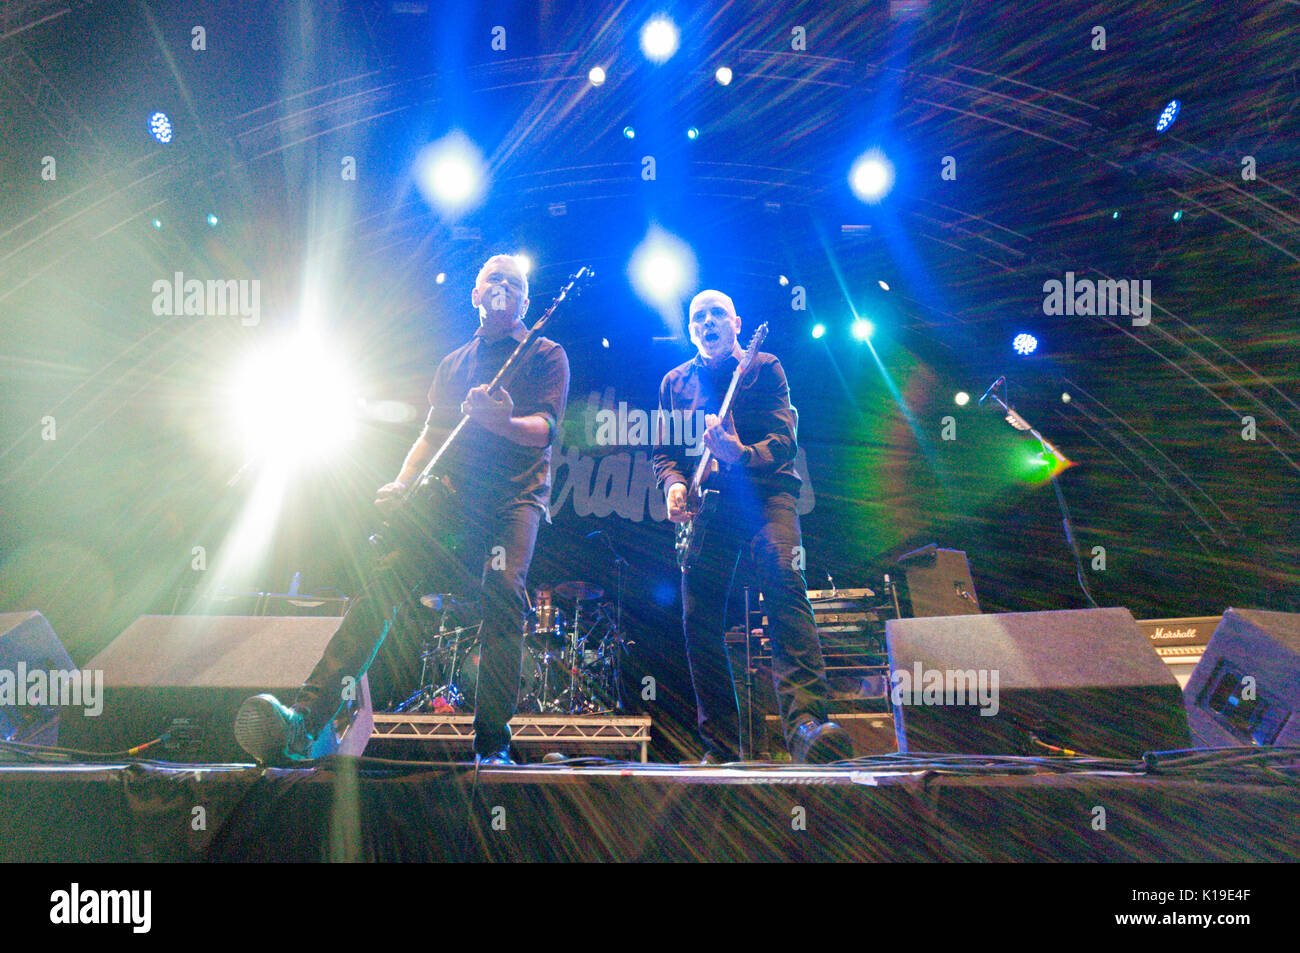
x: 721, y: 440
x: 489, y: 410
x: 677, y: 510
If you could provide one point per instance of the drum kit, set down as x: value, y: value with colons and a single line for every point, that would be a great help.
x: 571, y: 659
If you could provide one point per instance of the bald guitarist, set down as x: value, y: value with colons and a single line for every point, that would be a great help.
x: 752, y: 518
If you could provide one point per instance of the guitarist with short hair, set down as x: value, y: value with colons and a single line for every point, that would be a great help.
x: 497, y: 472
x: 748, y: 459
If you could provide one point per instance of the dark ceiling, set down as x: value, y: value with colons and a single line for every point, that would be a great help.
x: 1050, y: 136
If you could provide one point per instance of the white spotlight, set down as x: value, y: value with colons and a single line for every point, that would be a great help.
x: 723, y: 75
x: 451, y: 174
x: 596, y: 76
x: 871, y: 177
x: 293, y: 402
x: 659, y: 39
x: 662, y: 269
x: 525, y: 263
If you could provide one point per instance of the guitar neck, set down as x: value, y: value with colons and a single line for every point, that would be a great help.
x: 706, y: 458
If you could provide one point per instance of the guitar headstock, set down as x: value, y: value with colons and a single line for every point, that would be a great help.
x: 577, y: 282
x: 752, y: 350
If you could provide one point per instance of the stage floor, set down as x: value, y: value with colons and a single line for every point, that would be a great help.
x: 1229, y: 805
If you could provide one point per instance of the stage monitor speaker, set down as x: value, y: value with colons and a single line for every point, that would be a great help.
x: 938, y: 582
x: 1246, y: 688
x: 1087, y: 680
x: 186, y: 676
x: 30, y: 698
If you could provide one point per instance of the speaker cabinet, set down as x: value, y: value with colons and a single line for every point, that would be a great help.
x: 1246, y: 688
x: 1087, y: 680
x: 37, y: 680
x: 937, y: 582
x: 186, y: 676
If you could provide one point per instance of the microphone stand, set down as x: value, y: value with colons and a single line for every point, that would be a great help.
x: 1015, y: 420
x: 620, y: 566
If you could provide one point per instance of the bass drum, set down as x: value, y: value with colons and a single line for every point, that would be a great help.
x: 532, y: 680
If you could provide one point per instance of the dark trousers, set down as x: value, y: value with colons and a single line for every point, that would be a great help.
x: 473, y: 534
x: 763, y: 535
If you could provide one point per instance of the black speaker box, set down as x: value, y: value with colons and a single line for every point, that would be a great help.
x: 187, y: 676
x: 30, y: 653
x: 1087, y: 680
x: 937, y: 582
x: 1246, y: 688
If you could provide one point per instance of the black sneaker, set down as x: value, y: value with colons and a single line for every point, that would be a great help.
x: 272, y: 732
x: 817, y: 742
x: 495, y: 759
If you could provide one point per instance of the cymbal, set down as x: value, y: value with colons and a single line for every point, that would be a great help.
x: 441, y: 600
x: 578, y: 591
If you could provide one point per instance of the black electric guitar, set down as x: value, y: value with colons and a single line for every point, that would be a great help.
x: 700, y: 503
x: 433, y: 489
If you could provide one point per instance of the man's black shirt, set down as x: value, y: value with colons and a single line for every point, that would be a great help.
x: 495, y: 469
x: 761, y: 413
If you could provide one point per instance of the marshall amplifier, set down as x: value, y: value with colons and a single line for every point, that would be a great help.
x: 1190, y: 632
x: 1180, y: 642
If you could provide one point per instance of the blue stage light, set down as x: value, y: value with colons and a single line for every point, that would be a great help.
x: 1024, y: 344
x: 659, y: 39
x: 160, y: 127
x: 819, y: 330
x: 1168, y: 115
x: 872, y: 176
x: 862, y: 329
x: 692, y: 133
x: 213, y: 221
x: 629, y: 132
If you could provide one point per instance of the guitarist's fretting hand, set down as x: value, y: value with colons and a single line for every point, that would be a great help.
x: 487, y: 408
x: 677, y: 511
x: 721, y: 440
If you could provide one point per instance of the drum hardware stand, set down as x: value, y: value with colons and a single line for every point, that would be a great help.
x: 426, y: 696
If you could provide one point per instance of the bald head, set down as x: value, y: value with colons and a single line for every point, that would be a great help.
x: 702, y: 299
x: 714, y: 325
